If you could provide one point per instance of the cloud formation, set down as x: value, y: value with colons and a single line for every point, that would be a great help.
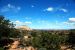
x: 17, y: 22
x: 72, y: 19
x: 70, y: 23
x: 27, y: 22
x: 64, y: 10
x: 49, y: 9
x: 10, y: 7
x: 32, y: 6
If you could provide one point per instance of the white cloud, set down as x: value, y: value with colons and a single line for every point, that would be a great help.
x: 52, y: 25
x: 32, y: 6
x: 49, y: 9
x: 72, y: 19
x: 64, y: 10
x: 17, y: 22
x: 65, y: 22
x: 27, y: 22
x: 70, y: 23
x: 10, y: 7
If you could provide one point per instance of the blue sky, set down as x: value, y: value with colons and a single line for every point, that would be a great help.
x: 40, y: 14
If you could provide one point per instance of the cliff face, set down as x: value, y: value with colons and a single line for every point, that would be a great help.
x: 24, y: 28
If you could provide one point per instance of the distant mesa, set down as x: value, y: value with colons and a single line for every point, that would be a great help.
x: 24, y: 27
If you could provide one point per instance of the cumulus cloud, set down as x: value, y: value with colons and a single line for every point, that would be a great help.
x: 70, y: 22
x: 72, y: 19
x: 49, y: 9
x: 27, y: 22
x: 65, y: 23
x: 64, y: 10
x: 10, y: 7
x: 17, y: 22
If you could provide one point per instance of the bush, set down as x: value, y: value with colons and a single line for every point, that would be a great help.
x: 49, y: 41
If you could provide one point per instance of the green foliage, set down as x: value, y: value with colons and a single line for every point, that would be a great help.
x: 49, y: 41
x: 71, y: 37
x: 1, y: 48
x: 6, y: 28
x: 41, y: 39
x: 14, y: 33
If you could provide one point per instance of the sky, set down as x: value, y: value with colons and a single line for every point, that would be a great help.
x: 40, y: 14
